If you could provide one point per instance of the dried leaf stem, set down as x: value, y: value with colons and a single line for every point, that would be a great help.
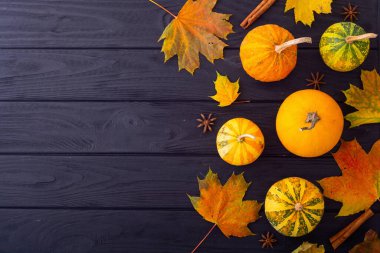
x: 242, y: 102
x: 162, y: 7
x: 346, y: 232
x: 204, y: 238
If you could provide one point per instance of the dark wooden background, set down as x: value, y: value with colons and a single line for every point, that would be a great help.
x: 98, y: 138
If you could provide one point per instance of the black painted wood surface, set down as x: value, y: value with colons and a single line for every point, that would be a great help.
x: 98, y: 138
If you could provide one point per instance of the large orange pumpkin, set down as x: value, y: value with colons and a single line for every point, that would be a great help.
x: 309, y: 123
x: 269, y: 52
x: 240, y: 142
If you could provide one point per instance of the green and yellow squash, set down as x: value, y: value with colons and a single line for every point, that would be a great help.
x: 294, y: 206
x: 344, y: 46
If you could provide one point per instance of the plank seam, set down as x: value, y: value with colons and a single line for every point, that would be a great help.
x: 122, y: 154
x: 129, y: 48
x: 174, y: 209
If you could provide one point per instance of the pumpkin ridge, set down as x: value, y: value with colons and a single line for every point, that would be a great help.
x: 311, y: 215
x: 245, y: 129
x: 357, y: 30
x: 229, y: 130
x: 297, y: 224
x: 304, y: 228
x: 285, y: 221
x: 256, y: 147
x: 290, y: 190
x: 355, y: 50
x: 273, y: 62
x: 302, y: 191
x: 237, y: 154
x: 263, y: 39
x: 287, y: 58
x: 312, y: 201
x: 269, y: 63
x: 284, y: 197
x: 272, y: 34
x: 346, y: 27
x: 336, y: 35
x: 280, y: 199
x: 358, y: 50
x: 242, y: 157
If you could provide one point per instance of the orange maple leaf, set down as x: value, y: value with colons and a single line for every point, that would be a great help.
x: 196, y: 29
x: 224, y: 205
x: 359, y: 186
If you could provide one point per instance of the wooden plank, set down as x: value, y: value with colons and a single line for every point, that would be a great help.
x: 133, y: 127
x: 141, y: 75
x: 145, y: 231
x: 136, y: 23
x: 136, y: 181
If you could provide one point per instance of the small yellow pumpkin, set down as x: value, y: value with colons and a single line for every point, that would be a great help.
x: 240, y: 142
x: 294, y: 206
x: 269, y: 52
x: 309, y: 123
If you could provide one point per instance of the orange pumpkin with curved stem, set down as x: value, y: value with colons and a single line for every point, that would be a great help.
x: 240, y: 142
x: 269, y: 52
x: 309, y: 123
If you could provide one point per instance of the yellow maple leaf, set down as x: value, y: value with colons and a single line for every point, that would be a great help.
x: 223, y: 205
x: 196, y: 29
x: 359, y: 186
x: 304, y: 9
x: 366, y: 100
x: 307, y: 247
x: 226, y: 91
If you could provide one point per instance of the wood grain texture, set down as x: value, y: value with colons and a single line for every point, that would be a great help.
x: 136, y: 23
x: 141, y: 75
x: 143, y: 231
x: 134, y: 127
x: 137, y: 181
x: 98, y: 138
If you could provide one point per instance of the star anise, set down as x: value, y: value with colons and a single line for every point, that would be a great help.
x: 350, y: 12
x: 316, y: 80
x: 267, y: 240
x: 206, y: 123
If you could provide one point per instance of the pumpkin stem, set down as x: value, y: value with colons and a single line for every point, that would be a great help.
x: 162, y: 7
x: 313, y: 118
x: 241, y: 137
x: 350, y: 39
x: 298, y: 207
x: 283, y: 46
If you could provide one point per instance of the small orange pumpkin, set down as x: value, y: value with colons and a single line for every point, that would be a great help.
x: 240, y: 142
x: 309, y: 123
x: 269, y: 52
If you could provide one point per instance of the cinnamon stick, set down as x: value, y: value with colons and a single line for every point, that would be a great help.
x: 346, y: 232
x: 257, y: 12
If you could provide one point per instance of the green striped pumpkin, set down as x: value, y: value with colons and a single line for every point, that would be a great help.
x: 294, y: 206
x: 337, y: 53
